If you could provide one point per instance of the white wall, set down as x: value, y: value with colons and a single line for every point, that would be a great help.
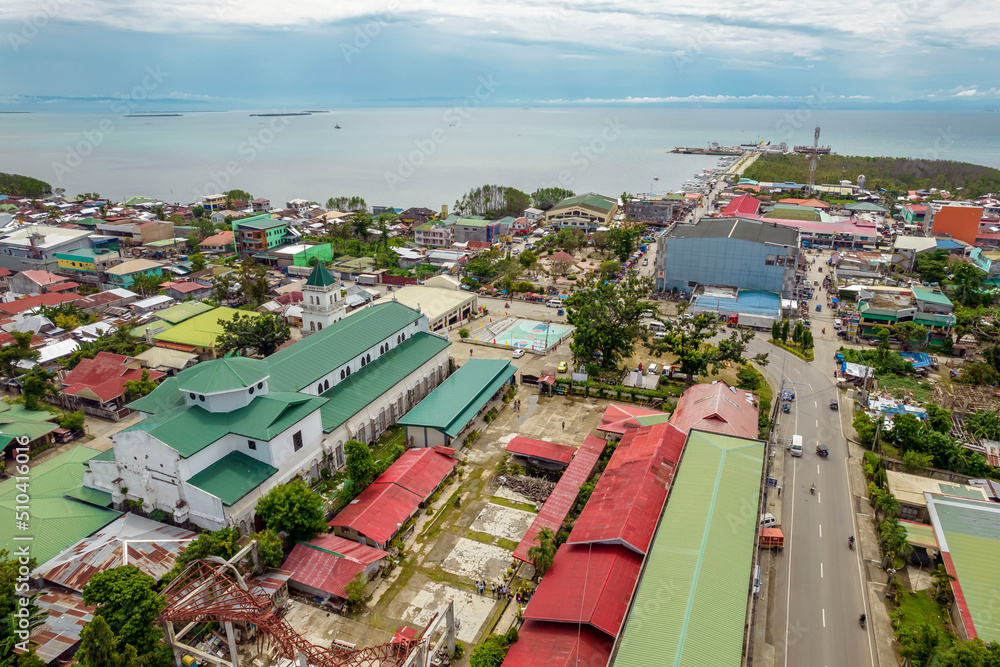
x: 226, y: 401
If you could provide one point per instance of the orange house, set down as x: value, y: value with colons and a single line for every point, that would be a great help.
x: 961, y: 222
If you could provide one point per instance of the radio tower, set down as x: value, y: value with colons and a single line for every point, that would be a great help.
x: 813, y: 158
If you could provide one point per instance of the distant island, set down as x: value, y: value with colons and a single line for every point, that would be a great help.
x: 889, y: 173
x: 290, y: 113
x: 152, y: 115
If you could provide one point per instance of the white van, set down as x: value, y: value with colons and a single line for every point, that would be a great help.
x: 656, y: 326
x: 652, y: 369
x: 768, y: 521
x: 554, y: 303
x: 796, y: 448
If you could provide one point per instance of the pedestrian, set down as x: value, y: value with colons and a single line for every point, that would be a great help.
x: 564, y: 426
x: 779, y: 491
x: 493, y: 589
x: 470, y: 351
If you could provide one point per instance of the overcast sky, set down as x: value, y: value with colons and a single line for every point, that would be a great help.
x: 236, y: 54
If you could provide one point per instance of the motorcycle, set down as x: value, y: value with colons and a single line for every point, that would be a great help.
x: 850, y: 542
x: 812, y: 489
x: 861, y: 620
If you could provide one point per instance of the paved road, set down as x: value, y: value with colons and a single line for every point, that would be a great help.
x: 817, y: 591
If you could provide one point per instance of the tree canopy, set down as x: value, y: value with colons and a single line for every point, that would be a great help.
x: 546, y: 198
x: 362, y: 468
x: 932, y: 267
x: 493, y: 202
x: 23, y: 186
x: 262, y: 334
x: 688, y: 339
x: 126, y: 600
x: 624, y: 241
x: 607, y: 317
x: 293, y: 509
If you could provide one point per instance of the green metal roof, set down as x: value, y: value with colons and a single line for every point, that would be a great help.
x: 166, y: 395
x: 651, y: 420
x: 969, y: 531
x: 201, y: 330
x: 320, y: 277
x: 16, y: 421
x: 934, y: 319
x: 183, y: 311
x: 295, y: 366
x: 189, y: 429
x: 31, y: 430
x: 590, y: 200
x: 156, y: 326
x: 866, y: 206
x: 930, y: 295
x: 352, y: 395
x: 232, y: 477
x: 704, y: 555
x: 56, y: 521
x: 919, y: 534
x: 91, y: 496
x: 457, y: 400
x: 106, y: 455
x: 262, y: 221
x: 224, y: 374
x: 476, y: 222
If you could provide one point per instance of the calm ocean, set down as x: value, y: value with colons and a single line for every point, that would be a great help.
x: 429, y: 157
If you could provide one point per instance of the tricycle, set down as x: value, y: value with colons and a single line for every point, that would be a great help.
x: 834, y: 405
x: 786, y: 407
x: 819, y: 307
x: 822, y: 451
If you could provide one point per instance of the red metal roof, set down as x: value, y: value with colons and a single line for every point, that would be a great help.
x: 447, y: 451
x: 105, y: 375
x: 561, y: 500
x: 558, y: 645
x: 418, y: 471
x: 717, y: 408
x: 587, y: 584
x: 541, y: 449
x: 742, y: 205
x: 63, y: 287
x: 618, y: 418
x: 378, y: 511
x: 626, y: 503
x: 328, y: 563
x: 40, y: 277
x: 49, y: 299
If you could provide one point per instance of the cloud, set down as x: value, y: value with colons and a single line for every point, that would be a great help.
x: 967, y: 93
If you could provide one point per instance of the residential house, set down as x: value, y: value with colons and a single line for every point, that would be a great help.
x: 140, y: 232
x: 95, y: 304
x: 124, y: 274
x: 533, y: 215
x: 87, y: 264
x: 27, y: 303
x: 297, y: 205
x: 220, y: 243
x: 473, y: 229
x: 228, y: 430
x: 214, y: 202
x: 219, y: 217
x: 906, y: 248
x: 152, y: 304
x: 184, y: 289
x: 258, y: 234
x: 260, y: 205
x: 97, y: 386
x: 434, y: 234
x: 34, y: 247
x: 34, y: 282
x: 416, y: 216
x: 885, y: 306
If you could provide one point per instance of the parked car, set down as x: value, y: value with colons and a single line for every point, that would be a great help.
x: 645, y: 262
x: 563, y: 367
x: 518, y: 353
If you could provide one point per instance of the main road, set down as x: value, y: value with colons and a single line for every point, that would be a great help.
x: 817, y: 588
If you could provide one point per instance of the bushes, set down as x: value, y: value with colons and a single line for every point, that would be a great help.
x: 492, y: 652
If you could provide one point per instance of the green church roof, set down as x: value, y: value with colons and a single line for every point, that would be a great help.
x: 320, y: 277
x: 224, y: 374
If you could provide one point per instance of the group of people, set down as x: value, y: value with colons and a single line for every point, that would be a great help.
x: 502, y: 591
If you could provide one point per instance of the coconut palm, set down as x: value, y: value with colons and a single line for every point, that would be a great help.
x: 887, y: 505
x: 544, y: 553
x: 942, y: 583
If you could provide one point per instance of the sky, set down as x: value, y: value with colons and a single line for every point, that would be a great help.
x: 302, y: 54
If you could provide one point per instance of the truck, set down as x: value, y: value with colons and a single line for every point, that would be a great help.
x: 772, y: 538
x: 762, y: 322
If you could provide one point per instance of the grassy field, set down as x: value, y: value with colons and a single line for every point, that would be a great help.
x: 899, y: 385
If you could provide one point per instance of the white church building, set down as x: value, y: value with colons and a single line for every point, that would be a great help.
x: 219, y: 435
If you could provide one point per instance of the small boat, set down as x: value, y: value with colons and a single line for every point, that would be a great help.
x: 336, y: 127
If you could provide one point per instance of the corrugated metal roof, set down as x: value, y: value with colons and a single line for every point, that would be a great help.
x: 418, y: 471
x: 202, y: 330
x: 56, y: 521
x: 558, y: 645
x: 67, y: 614
x: 587, y: 584
x: 457, y: 400
x: 350, y: 396
x: 295, y: 367
x: 378, y: 511
x: 189, y: 429
x: 129, y: 540
x: 166, y: 396
x: 183, y: 311
x: 626, y: 503
x: 561, y: 500
x: 328, y: 563
x: 224, y: 374
x: 706, y: 557
x: 718, y: 408
x: 104, y: 377
x: 740, y: 229
x: 541, y: 449
x: 232, y: 477
x: 919, y: 534
x: 968, y: 532
x: 618, y: 418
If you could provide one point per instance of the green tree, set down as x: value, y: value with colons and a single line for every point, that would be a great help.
x: 968, y: 280
x: 263, y: 334
x: 237, y: 195
x: 979, y: 373
x: 198, y: 211
x: 17, y: 351
x: 146, y: 284
x: 463, y: 333
x: 197, y: 261
x: 357, y: 589
x: 225, y: 543
x: 938, y: 418
x: 73, y: 421
x: 98, y: 647
x: 775, y: 330
x: 546, y: 198
x: 887, y: 505
x: 293, y: 509
x: 543, y: 554
x: 569, y: 239
x: 983, y: 424
x: 607, y: 317
x: 749, y: 378
x: 624, y: 241
x: 222, y: 288
x: 527, y: 258
x: 610, y: 269
x: 916, y: 463
x: 362, y: 469
x: 126, y: 599
x: 601, y: 241
x: 36, y: 385
x: 932, y: 267
x: 253, y: 281
x: 972, y: 653
x: 493, y: 202
x: 910, y: 335
x: 138, y: 388
x: 785, y: 324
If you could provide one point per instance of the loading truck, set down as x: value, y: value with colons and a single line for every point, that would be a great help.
x: 762, y: 322
x: 772, y: 538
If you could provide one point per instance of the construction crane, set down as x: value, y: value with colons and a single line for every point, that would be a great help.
x: 813, y: 159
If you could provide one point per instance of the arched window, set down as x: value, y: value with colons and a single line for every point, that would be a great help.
x: 369, y: 358
x: 319, y: 326
x: 326, y: 385
x: 312, y: 326
x: 341, y: 373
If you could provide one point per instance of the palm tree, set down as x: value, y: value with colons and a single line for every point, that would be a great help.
x: 942, y: 583
x: 887, y: 504
x: 544, y: 553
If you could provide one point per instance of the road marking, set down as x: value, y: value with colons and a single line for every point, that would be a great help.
x: 817, y: 470
x: 821, y: 570
x: 810, y: 386
x: 815, y: 403
x: 817, y: 423
x: 819, y: 497
x: 821, y: 534
x: 824, y: 618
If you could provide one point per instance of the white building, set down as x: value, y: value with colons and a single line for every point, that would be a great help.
x: 35, y: 246
x: 321, y: 302
x: 219, y: 435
